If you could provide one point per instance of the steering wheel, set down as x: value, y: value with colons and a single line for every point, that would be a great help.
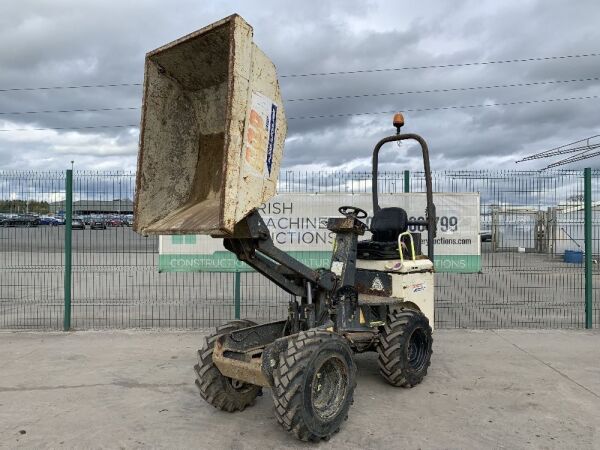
x: 352, y: 211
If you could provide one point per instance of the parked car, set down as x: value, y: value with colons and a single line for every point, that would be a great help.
x: 23, y: 220
x: 114, y: 222
x: 49, y: 220
x: 97, y: 224
x: 45, y: 220
x: 128, y: 220
x: 78, y: 224
x: 486, y: 235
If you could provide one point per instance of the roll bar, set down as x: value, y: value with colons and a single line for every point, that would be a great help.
x: 430, y: 219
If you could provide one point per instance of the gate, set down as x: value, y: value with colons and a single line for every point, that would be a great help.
x: 519, y: 230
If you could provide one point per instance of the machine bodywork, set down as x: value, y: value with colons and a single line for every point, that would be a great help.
x: 352, y: 298
x: 212, y: 137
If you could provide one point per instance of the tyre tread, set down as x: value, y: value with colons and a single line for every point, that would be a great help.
x: 392, y: 341
x: 209, y: 379
x: 287, y: 392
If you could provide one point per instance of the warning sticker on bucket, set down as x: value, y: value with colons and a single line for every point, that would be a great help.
x: 260, y: 135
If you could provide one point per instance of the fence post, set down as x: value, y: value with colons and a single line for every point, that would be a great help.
x: 237, y: 294
x: 587, y: 203
x: 68, y: 252
x: 407, y: 181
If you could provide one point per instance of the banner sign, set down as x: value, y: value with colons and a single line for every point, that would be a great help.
x: 298, y: 224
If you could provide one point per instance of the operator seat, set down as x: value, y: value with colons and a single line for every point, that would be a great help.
x: 388, y: 223
x: 386, y: 226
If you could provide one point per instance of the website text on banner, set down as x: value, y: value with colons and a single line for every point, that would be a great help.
x: 298, y: 224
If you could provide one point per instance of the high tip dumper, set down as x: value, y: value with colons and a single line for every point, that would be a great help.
x: 212, y: 135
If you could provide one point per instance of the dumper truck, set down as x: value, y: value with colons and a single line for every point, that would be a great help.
x: 213, y: 129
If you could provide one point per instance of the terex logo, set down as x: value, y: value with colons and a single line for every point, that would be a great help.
x: 377, y: 285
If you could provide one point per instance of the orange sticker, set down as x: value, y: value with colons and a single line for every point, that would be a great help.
x: 256, y: 120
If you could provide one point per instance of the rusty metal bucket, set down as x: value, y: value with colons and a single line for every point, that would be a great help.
x: 212, y: 132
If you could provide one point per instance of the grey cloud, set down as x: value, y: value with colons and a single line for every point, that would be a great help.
x: 70, y: 43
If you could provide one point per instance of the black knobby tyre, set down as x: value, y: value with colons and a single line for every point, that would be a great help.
x: 222, y: 392
x: 405, y: 348
x: 313, y: 385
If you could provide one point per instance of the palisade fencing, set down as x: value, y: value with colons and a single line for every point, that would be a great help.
x: 530, y: 218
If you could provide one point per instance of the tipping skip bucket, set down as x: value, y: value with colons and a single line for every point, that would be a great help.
x: 212, y: 132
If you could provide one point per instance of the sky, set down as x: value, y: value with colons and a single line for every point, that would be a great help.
x: 73, y: 43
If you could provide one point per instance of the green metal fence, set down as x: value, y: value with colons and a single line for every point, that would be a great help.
x: 531, y: 218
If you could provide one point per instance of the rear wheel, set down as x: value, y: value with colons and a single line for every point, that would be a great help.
x: 313, y: 385
x: 220, y: 391
x: 405, y: 348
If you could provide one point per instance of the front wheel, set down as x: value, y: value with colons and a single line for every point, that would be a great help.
x: 220, y: 391
x: 313, y: 385
x: 405, y: 348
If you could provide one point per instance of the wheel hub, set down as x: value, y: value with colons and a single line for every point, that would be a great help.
x: 417, y: 349
x: 239, y: 385
x: 329, y: 387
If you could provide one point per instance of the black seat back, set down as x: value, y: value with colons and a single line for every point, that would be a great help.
x: 388, y: 223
